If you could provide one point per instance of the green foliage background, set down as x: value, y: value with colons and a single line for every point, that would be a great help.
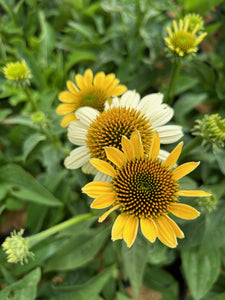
x: 59, y: 39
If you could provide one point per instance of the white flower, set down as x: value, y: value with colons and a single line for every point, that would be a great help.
x: 94, y: 130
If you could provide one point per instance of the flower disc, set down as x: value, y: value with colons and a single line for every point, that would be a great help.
x: 145, y: 188
x: 183, y: 40
x: 109, y: 127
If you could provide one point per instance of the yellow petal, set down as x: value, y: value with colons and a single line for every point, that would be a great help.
x: 97, y: 188
x: 178, y: 232
x: 80, y: 81
x: 118, y: 227
x: 109, y: 79
x: 193, y: 193
x: 115, y: 156
x: 88, y: 77
x: 149, y: 229
x: 184, y: 211
x: 67, y: 97
x: 67, y: 119
x: 98, y: 79
x: 173, y: 157
x: 105, y: 215
x: 103, y: 201
x: 184, y: 169
x: 119, y: 90
x: 71, y: 87
x: 155, y: 147
x: 103, y: 166
x: 137, y: 144
x: 130, y: 230
x: 127, y: 148
x: 165, y: 232
x: 64, y: 109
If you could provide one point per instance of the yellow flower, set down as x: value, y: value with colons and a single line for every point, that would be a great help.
x: 144, y: 189
x: 194, y: 20
x: 181, y: 41
x: 18, y: 72
x: 89, y: 91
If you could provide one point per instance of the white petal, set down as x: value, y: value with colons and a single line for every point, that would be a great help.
x: 169, y: 133
x: 162, y: 116
x: 102, y: 177
x: 150, y: 101
x: 88, y: 168
x: 77, y: 158
x: 77, y: 132
x: 86, y: 114
x: 130, y: 99
x: 114, y: 102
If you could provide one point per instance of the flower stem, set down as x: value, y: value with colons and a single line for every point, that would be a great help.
x: 173, y: 81
x: 33, y: 240
x: 32, y: 102
x: 192, y: 145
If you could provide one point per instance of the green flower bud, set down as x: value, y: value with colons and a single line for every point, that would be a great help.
x: 17, y: 248
x: 17, y: 72
x: 207, y: 204
x: 212, y: 130
x: 38, y: 117
x: 195, y: 22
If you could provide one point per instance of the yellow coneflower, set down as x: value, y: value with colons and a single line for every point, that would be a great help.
x: 90, y: 91
x: 181, y: 40
x: 17, y: 72
x: 144, y: 189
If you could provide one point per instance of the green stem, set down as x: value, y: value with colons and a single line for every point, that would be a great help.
x: 173, y: 81
x: 33, y: 240
x: 192, y: 145
x: 29, y: 96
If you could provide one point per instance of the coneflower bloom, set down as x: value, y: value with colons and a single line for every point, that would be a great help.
x: 89, y: 91
x: 94, y: 130
x: 181, y: 40
x: 144, y: 189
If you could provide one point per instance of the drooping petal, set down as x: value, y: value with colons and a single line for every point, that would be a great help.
x: 149, y: 229
x: 103, y: 201
x: 118, y: 227
x: 165, y: 233
x: 77, y: 133
x: 115, y: 156
x: 173, y: 157
x: 102, y: 177
x: 130, y: 230
x: 127, y: 148
x: 155, y: 146
x: 67, y: 97
x: 150, y: 101
x: 169, y: 133
x: 86, y: 114
x: 87, y: 168
x: 184, y: 169
x: 97, y: 188
x: 137, y: 144
x: 103, y: 166
x: 178, y: 232
x: 193, y: 193
x: 77, y: 158
x: 130, y: 99
x: 105, y: 215
x: 183, y: 211
x: 162, y: 116
x: 118, y: 90
x: 67, y: 119
x: 64, y: 108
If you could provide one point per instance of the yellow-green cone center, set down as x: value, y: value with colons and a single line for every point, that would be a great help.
x: 94, y: 97
x: 183, y: 41
x: 109, y: 127
x: 145, y: 188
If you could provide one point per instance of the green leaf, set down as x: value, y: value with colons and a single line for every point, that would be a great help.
x: 220, y: 157
x: 79, y: 56
x: 31, y: 142
x: 201, y: 269
x: 4, y: 113
x: 78, y: 250
x: 23, y: 186
x: 23, y: 289
x: 88, y: 290
x: 135, y: 259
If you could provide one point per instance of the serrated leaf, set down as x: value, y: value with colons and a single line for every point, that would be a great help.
x: 31, y: 142
x: 78, y: 250
x: 23, y: 289
x: 22, y: 185
x: 201, y: 269
x: 88, y: 290
x: 135, y: 259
